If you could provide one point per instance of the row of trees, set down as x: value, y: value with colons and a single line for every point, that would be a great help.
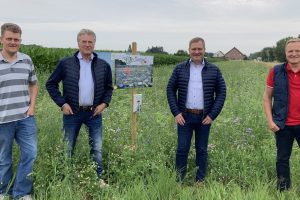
x: 160, y: 50
x: 272, y: 53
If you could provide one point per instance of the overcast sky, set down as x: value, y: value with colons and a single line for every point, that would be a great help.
x: 249, y: 25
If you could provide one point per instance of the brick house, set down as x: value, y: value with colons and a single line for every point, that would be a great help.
x: 234, y: 54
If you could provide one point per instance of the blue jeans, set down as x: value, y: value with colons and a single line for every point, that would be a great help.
x: 72, y: 124
x: 193, y: 122
x: 24, y: 133
x: 284, y: 143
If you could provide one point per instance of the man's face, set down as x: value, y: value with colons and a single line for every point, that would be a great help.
x: 86, y: 44
x: 292, y: 52
x: 11, y: 42
x: 197, y: 51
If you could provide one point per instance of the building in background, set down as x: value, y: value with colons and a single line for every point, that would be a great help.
x: 234, y: 54
x: 219, y: 54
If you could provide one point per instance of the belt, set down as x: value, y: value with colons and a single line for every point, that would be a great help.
x: 195, y: 111
x: 85, y: 108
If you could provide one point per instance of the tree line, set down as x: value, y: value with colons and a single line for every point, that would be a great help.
x: 275, y: 53
x: 180, y: 52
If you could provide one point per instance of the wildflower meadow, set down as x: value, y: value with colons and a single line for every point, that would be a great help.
x: 242, y: 150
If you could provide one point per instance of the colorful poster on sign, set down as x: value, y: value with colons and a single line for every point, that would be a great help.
x: 133, y: 71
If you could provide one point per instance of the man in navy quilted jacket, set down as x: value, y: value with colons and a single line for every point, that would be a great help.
x: 196, y: 93
x: 87, y: 91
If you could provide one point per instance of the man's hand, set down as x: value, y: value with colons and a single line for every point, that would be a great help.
x: 273, y: 127
x: 67, y: 110
x: 207, y: 120
x: 30, y: 111
x: 179, y: 119
x: 99, y: 109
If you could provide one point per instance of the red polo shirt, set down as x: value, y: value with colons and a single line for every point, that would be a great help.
x: 293, y: 117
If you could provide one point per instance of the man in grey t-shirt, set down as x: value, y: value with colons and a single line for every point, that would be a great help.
x: 18, y: 92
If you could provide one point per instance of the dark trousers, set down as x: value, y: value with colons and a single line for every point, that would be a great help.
x: 72, y: 125
x: 284, y: 143
x: 193, y: 122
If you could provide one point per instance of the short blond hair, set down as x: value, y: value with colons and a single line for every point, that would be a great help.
x: 197, y: 39
x: 10, y: 27
x: 292, y: 41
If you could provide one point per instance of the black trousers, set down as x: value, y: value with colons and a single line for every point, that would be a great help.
x: 284, y: 143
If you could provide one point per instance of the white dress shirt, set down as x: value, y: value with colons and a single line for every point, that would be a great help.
x: 195, y: 99
x: 86, y: 82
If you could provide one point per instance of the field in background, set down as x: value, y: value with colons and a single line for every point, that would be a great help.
x: 241, y: 154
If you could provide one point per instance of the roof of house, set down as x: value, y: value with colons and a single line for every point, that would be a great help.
x: 219, y: 52
x: 234, y: 49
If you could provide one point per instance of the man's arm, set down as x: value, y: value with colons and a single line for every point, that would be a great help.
x: 52, y: 85
x: 108, y: 87
x: 107, y: 94
x: 171, y: 93
x: 220, y: 93
x: 172, y: 98
x: 33, y: 92
x: 267, y: 103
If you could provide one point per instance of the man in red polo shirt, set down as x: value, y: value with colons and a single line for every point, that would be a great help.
x: 283, y: 115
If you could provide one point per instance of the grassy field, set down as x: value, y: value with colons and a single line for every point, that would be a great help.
x: 241, y: 154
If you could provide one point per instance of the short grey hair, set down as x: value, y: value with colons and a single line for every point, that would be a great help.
x: 197, y: 39
x: 10, y: 27
x: 87, y: 32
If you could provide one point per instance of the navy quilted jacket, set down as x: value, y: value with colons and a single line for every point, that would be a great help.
x: 68, y: 71
x: 214, y: 89
x: 280, y: 95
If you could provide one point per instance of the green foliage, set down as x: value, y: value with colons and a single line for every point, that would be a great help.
x: 159, y: 50
x: 181, y: 53
x: 272, y: 53
x: 129, y: 49
x: 214, y: 60
x: 209, y: 54
x: 268, y: 54
x: 256, y: 55
x: 46, y: 59
x: 162, y: 59
x: 241, y: 153
x: 280, y: 49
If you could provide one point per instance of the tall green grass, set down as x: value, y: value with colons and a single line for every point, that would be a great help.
x: 241, y: 156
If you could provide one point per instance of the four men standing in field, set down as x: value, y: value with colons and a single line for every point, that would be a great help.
x: 196, y: 92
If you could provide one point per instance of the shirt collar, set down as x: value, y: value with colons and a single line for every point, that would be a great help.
x: 79, y: 56
x: 19, y: 57
x: 202, y: 63
x: 288, y: 67
x: 1, y: 57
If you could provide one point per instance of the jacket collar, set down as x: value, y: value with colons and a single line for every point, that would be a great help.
x: 95, y: 56
x: 204, y: 61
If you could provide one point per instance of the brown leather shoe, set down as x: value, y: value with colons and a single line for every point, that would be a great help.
x: 199, y: 184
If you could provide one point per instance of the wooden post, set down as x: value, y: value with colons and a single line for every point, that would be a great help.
x: 133, y: 48
x: 133, y: 92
